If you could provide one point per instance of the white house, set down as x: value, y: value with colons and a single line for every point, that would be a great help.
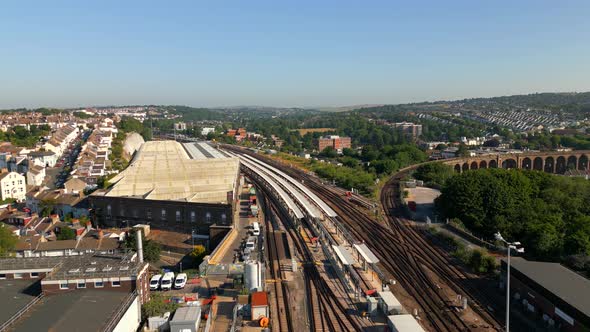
x: 61, y: 139
x: 43, y: 158
x: 35, y: 175
x: 12, y: 185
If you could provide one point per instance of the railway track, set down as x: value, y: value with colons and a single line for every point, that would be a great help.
x: 326, y: 312
x: 281, y: 298
x: 407, y: 257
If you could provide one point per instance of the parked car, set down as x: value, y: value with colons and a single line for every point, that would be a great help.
x: 180, y: 281
x: 155, y: 282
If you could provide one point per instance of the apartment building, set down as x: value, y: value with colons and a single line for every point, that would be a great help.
x: 334, y: 141
x: 414, y: 130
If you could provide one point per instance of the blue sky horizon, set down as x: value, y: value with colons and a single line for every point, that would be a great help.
x: 288, y: 54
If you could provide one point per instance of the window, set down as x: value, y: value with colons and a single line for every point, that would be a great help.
x: 193, y: 216
x: 122, y: 211
x: 81, y: 284
x: 34, y: 274
x: 163, y: 214
x: 18, y: 276
x: 3, y: 276
x: 116, y: 283
x: 20, y: 181
x: 134, y: 213
x: 148, y: 213
x: 63, y: 284
x: 98, y: 284
x: 223, y: 217
x: 178, y: 215
x: 109, y: 210
x: 208, y: 217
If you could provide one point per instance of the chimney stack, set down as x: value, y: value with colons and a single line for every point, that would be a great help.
x: 139, y: 246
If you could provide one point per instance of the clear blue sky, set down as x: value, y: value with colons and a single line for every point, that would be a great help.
x: 288, y: 53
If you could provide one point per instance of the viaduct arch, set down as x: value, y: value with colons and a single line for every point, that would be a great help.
x: 556, y: 162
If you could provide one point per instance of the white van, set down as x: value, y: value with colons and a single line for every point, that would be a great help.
x: 180, y: 281
x: 166, y: 282
x: 255, y: 228
x: 155, y: 282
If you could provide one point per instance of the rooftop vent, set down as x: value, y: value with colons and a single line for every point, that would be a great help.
x: 93, y: 263
x: 107, y: 268
x: 74, y: 271
x: 124, y: 268
x: 91, y: 269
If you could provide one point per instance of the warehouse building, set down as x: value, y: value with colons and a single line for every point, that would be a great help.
x: 551, y: 292
x: 188, y: 187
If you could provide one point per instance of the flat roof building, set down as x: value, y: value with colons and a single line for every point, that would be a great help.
x: 82, y: 293
x: 560, y: 296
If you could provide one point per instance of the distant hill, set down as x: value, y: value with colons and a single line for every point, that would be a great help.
x: 539, y: 99
x: 571, y: 102
x: 345, y: 108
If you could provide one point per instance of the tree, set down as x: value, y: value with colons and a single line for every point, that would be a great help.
x: 329, y: 152
x: 7, y: 241
x: 349, y: 152
x: 493, y: 143
x: 151, y: 249
x: 157, y: 306
x: 66, y: 233
x: 83, y: 220
x: 550, y: 215
x: 47, y: 206
x: 434, y: 173
x: 462, y: 151
x: 198, y: 253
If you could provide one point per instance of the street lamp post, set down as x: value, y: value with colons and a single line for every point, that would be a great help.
x: 509, y: 246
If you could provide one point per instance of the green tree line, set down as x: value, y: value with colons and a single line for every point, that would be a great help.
x: 549, y: 214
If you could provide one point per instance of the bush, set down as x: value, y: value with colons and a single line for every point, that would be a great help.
x: 198, y: 253
x: 157, y: 306
x: 66, y: 233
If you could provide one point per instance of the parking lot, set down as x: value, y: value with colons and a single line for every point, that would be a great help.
x: 243, y: 228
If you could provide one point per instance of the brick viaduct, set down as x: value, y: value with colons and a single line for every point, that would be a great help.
x: 555, y: 162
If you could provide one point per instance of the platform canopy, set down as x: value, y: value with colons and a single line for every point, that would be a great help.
x: 344, y: 256
x: 366, y: 253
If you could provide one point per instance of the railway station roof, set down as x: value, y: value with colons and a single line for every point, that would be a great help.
x: 366, y: 253
x: 284, y: 196
x: 202, y: 150
x: 328, y: 210
x: 343, y: 254
x: 166, y: 170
